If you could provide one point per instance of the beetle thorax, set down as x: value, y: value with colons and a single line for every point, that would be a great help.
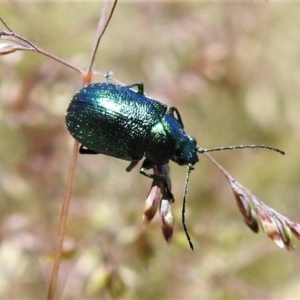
x: 170, y: 142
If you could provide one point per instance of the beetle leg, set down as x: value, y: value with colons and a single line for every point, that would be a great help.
x: 85, y: 150
x: 161, y: 178
x: 139, y: 85
x: 167, y: 194
x: 158, y: 175
x: 132, y: 165
x: 147, y: 164
x: 172, y: 111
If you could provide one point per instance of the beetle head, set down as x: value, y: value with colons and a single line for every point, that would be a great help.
x: 186, y: 151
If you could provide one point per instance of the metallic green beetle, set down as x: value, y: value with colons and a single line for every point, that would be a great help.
x: 117, y: 121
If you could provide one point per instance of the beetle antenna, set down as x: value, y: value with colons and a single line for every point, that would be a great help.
x: 202, y: 150
x: 190, y: 168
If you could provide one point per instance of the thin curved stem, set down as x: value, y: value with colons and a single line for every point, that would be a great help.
x: 87, y: 77
x: 63, y: 223
x: 29, y: 46
x: 101, y: 30
x: 5, y: 24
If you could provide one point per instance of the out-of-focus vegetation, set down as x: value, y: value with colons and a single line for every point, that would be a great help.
x: 232, y: 70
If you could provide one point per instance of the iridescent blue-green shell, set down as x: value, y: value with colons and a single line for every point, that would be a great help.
x: 114, y: 120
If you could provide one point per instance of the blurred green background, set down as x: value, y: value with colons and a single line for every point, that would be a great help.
x: 232, y: 70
